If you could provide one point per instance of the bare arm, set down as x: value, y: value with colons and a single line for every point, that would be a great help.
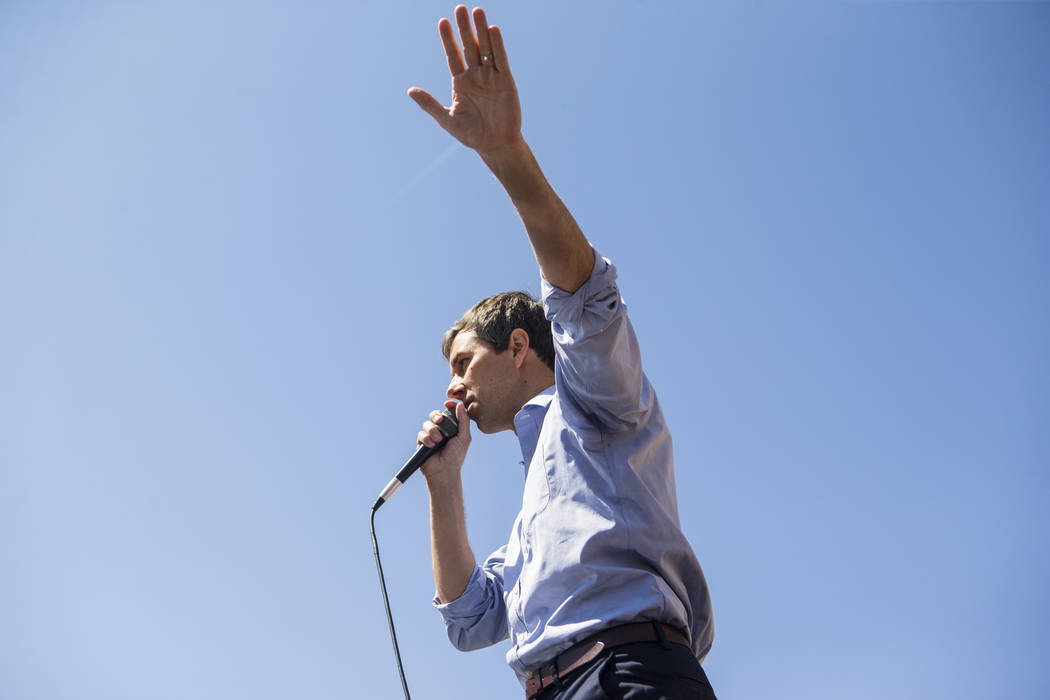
x: 452, y: 559
x: 485, y: 115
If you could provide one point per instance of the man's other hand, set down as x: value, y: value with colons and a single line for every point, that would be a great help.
x: 485, y: 114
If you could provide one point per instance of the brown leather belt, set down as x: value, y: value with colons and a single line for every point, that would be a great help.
x: 591, y: 647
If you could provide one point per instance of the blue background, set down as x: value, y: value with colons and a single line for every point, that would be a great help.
x: 229, y: 245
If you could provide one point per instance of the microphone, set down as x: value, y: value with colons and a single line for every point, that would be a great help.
x: 449, y: 428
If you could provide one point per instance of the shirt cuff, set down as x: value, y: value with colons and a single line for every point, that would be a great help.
x: 469, y: 605
x: 565, y: 307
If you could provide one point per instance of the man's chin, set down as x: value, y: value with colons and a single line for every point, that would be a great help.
x: 485, y: 426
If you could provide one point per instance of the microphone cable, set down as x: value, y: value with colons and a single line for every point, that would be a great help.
x: 386, y: 600
x: 449, y: 427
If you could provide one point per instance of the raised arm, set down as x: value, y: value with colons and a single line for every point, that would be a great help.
x: 485, y: 115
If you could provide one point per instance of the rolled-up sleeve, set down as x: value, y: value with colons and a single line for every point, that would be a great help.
x: 478, y: 617
x: 599, y: 364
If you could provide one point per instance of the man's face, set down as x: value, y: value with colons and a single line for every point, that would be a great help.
x: 483, y: 380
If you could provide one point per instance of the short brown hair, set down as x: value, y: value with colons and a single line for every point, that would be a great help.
x: 493, y: 319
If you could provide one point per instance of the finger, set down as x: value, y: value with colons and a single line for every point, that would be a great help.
x: 466, y: 35
x: 429, y: 105
x: 429, y: 435
x: 464, y: 421
x: 436, y: 417
x: 448, y: 40
x: 436, y: 436
x: 484, y: 46
x: 499, y: 52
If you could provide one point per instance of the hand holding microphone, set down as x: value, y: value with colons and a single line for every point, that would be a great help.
x: 452, y: 451
x: 449, y: 427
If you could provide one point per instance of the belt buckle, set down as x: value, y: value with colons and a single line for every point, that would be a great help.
x: 534, y: 684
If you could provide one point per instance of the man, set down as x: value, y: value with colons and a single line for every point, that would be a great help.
x: 597, y: 588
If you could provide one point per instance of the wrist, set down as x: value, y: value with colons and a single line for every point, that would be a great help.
x: 442, y: 482
x: 506, y: 156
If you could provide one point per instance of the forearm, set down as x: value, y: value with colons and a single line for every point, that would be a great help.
x: 562, y: 251
x: 453, y: 560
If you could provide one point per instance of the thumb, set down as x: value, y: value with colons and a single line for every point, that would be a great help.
x: 429, y: 105
x: 461, y: 417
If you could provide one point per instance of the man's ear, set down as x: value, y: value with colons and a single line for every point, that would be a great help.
x: 519, y: 346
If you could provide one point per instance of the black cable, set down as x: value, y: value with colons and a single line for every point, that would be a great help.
x: 386, y: 601
x: 449, y: 427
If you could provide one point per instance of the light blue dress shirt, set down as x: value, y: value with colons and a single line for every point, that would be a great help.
x: 597, y: 542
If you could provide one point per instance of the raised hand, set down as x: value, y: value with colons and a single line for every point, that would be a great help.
x: 485, y: 114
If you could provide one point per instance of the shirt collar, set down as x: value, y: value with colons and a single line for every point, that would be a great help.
x: 529, y: 420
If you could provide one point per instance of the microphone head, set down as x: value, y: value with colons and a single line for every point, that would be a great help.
x: 448, y: 426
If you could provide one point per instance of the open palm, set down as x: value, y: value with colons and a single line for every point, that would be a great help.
x: 485, y: 113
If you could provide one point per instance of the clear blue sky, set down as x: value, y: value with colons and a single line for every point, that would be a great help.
x: 229, y: 244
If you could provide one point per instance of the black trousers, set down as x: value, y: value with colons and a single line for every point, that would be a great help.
x: 639, y: 671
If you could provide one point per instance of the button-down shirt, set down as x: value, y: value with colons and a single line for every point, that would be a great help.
x: 597, y: 542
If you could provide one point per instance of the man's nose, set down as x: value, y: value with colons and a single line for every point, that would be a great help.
x: 456, y: 390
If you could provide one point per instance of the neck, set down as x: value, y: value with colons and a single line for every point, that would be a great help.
x: 535, y: 382
x: 534, y: 379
